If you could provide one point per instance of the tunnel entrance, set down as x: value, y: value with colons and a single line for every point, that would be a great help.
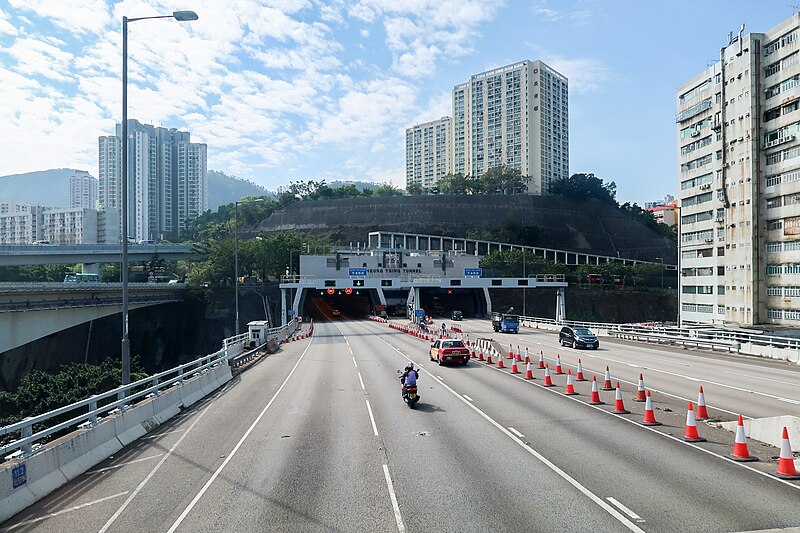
x: 443, y: 301
x: 338, y: 304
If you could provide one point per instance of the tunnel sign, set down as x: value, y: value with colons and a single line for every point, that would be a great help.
x: 358, y: 272
x: 419, y: 312
x: 472, y: 272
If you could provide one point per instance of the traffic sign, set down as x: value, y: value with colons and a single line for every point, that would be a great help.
x: 419, y: 312
x: 358, y: 283
x: 331, y: 291
x: 357, y: 272
x: 473, y: 272
x: 291, y: 312
x: 348, y: 290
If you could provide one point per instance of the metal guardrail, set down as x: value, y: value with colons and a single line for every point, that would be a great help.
x: 278, y: 335
x: 687, y: 334
x: 55, y: 286
x: 100, y: 405
x: 729, y: 346
x: 75, y: 303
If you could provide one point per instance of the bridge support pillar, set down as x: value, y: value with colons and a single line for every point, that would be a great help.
x: 488, y: 301
x: 284, y: 311
x: 561, y: 310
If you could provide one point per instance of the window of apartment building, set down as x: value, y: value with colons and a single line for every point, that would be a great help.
x: 774, y: 202
x: 791, y: 226
x: 774, y: 291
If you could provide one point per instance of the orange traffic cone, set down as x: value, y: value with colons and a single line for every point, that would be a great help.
x: 500, y: 362
x: 570, y: 384
x: 702, y: 412
x: 619, y: 405
x: 541, y: 359
x: 480, y: 355
x: 580, y: 377
x: 529, y: 371
x: 510, y: 351
x: 740, y: 451
x: 649, y: 414
x: 527, y: 356
x: 518, y: 354
x: 607, y: 381
x: 786, y: 468
x: 691, y: 434
x: 514, y: 368
x: 558, y: 364
x: 548, y: 382
x: 595, y: 400
x: 640, y: 395
x: 489, y: 358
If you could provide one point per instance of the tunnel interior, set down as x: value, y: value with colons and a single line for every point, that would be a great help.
x: 322, y: 304
x: 443, y: 301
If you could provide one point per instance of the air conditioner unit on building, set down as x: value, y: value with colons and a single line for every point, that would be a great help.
x: 709, y: 240
x: 720, y: 219
x: 705, y: 186
x: 695, y: 133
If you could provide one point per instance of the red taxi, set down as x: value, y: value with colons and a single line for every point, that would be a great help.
x: 449, y: 351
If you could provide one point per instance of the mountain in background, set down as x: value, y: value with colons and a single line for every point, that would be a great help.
x: 224, y: 189
x: 49, y: 188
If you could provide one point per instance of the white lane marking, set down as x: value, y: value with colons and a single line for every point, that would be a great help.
x: 354, y: 362
x: 787, y: 400
x: 162, y: 434
x: 631, y: 365
x: 124, y: 464
x: 625, y: 510
x: 544, y: 460
x: 468, y: 398
x: 362, y: 381
x: 764, y: 378
x: 235, y: 448
x: 440, y: 377
x: 372, y: 419
x: 397, y: 517
x: 515, y: 432
x: 62, y: 511
x: 141, y: 485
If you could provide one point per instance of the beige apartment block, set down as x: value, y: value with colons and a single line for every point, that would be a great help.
x: 739, y: 183
x: 427, y: 153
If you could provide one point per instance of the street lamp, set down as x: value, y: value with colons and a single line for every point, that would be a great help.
x: 662, y: 271
x: 180, y: 16
x: 236, y: 252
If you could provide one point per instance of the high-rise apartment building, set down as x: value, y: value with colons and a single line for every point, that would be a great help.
x: 83, y: 190
x: 20, y: 224
x: 515, y: 116
x: 739, y: 173
x: 166, y: 179
x: 427, y: 153
x: 69, y: 226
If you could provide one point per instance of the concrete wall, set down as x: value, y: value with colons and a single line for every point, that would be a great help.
x: 68, y: 457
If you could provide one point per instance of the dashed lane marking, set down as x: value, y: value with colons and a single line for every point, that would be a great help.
x: 124, y: 464
x: 372, y: 419
x: 468, y: 398
x: 62, y: 511
x: 362, y: 381
x: 397, y: 517
x: 354, y: 362
x: 625, y: 510
x: 515, y: 432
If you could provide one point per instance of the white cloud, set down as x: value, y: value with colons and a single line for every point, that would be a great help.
x: 578, y: 16
x: 364, y: 33
x: 78, y: 16
x: 5, y: 24
x: 585, y: 74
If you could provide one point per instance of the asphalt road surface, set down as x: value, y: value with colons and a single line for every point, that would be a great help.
x: 316, y: 438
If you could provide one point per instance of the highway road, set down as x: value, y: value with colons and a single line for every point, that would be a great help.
x: 317, y: 438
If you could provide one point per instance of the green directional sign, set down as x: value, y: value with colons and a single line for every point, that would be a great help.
x: 358, y: 283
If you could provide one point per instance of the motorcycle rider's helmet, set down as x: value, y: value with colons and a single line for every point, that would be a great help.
x: 410, y: 366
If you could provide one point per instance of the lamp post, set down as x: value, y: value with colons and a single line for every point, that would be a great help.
x: 181, y: 16
x: 236, y: 253
x: 662, y: 271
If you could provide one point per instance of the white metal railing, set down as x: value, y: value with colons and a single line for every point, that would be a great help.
x: 91, y: 410
x: 296, y: 278
x: 56, y: 286
x: 708, y: 334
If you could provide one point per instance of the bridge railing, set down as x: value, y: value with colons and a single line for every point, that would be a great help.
x: 89, y: 412
x: 740, y: 341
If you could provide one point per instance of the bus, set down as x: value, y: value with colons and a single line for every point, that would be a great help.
x: 82, y: 278
x: 156, y: 278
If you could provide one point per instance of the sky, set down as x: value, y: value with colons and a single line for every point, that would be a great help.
x: 289, y: 90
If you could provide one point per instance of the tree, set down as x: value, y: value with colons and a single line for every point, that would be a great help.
x: 502, y: 180
x: 581, y: 187
x: 458, y: 184
x: 510, y: 263
x: 387, y: 189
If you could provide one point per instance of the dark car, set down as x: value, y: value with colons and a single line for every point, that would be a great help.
x: 578, y: 337
x: 456, y: 315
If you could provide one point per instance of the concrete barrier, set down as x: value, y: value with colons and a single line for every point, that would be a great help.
x: 770, y: 430
x: 71, y: 455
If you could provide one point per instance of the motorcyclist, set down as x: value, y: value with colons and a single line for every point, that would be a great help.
x: 409, y: 376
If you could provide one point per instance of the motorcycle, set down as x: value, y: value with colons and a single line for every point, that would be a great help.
x: 410, y: 394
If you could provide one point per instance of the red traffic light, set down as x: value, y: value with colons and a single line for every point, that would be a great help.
x: 331, y: 291
x: 348, y: 290
x: 449, y: 291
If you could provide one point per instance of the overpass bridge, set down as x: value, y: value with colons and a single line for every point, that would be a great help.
x: 92, y: 253
x: 30, y: 311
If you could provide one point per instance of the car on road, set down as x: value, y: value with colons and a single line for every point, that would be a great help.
x: 336, y: 312
x: 449, y: 351
x: 578, y: 337
x: 456, y: 315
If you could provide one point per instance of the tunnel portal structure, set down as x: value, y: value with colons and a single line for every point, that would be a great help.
x: 403, y: 283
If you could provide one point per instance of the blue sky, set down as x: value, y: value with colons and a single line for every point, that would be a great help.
x: 303, y: 89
